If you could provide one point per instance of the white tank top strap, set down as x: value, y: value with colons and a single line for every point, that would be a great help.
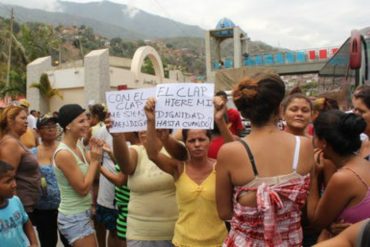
x: 296, y: 152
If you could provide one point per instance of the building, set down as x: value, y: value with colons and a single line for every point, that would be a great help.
x: 85, y: 82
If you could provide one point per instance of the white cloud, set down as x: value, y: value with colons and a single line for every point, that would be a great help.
x: 294, y: 24
x: 131, y: 11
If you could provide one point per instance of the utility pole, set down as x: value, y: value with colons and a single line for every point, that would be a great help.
x: 10, y: 47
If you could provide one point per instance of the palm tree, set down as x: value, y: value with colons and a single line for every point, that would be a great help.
x: 16, y: 88
x: 45, y: 88
x: 46, y: 91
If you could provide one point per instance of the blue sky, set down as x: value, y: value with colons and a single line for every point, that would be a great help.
x: 293, y: 24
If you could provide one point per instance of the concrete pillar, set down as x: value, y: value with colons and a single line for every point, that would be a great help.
x: 97, y: 80
x: 218, y: 48
x: 237, y: 48
x: 34, y: 70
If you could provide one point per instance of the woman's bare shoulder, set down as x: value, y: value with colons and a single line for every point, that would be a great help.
x: 10, y: 144
x: 233, y: 146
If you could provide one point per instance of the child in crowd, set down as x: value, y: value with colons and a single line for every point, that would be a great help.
x: 15, y: 227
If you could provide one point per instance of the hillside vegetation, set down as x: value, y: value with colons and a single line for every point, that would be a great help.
x: 32, y: 40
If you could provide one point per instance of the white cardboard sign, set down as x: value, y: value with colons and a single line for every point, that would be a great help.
x: 127, y: 109
x: 184, y: 106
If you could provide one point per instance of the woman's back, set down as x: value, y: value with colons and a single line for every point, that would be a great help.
x: 270, y: 187
x: 263, y: 189
x: 273, y: 154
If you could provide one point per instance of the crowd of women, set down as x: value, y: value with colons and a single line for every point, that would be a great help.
x: 305, y: 184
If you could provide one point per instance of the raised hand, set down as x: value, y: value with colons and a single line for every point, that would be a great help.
x: 220, y: 107
x: 149, y: 109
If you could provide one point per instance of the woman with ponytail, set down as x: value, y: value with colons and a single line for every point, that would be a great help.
x: 347, y: 195
x: 262, y: 180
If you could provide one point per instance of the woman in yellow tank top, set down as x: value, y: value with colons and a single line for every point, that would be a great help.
x: 198, y: 224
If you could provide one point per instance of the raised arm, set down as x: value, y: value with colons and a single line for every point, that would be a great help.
x: 167, y: 164
x: 175, y: 148
x: 66, y: 162
x: 220, y: 111
x: 125, y: 157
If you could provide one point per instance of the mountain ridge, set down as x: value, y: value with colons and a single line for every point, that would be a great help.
x: 107, y: 19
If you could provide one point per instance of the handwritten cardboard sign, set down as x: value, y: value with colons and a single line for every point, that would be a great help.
x: 184, y: 106
x: 127, y: 109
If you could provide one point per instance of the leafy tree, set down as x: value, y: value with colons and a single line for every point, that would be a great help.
x: 39, y: 40
x: 16, y: 87
x: 148, y: 67
x: 45, y: 88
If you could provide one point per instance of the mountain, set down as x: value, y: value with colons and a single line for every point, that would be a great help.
x: 151, y: 26
x: 56, y: 18
x: 107, y: 19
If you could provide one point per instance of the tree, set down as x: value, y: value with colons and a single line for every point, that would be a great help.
x: 45, y: 88
x: 39, y: 40
x: 46, y: 92
x: 16, y: 87
x: 148, y: 67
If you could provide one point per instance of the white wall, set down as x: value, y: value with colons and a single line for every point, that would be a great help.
x: 67, y: 78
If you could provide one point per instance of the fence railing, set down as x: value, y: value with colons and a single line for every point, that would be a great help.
x: 285, y: 57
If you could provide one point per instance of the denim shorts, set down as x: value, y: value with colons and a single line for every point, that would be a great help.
x: 148, y: 243
x: 76, y: 226
x: 107, y: 217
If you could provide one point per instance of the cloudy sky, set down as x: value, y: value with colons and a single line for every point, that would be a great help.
x: 293, y: 24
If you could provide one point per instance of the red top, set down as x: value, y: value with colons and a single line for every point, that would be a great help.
x: 214, y: 146
x: 236, y: 121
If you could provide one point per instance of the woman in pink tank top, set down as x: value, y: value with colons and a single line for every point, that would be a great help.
x: 347, y: 195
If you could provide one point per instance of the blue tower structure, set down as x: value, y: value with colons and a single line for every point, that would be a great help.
x: 225, y: 29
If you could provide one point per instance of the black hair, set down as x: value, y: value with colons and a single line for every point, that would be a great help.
x: 363, y: 93
x: 99, y: 111
x: 32, y: 111
x: 221, y: 94
x: 258, y: 97
x: 186, y: 131
x: 341, y: 130
x: 4, y: 168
